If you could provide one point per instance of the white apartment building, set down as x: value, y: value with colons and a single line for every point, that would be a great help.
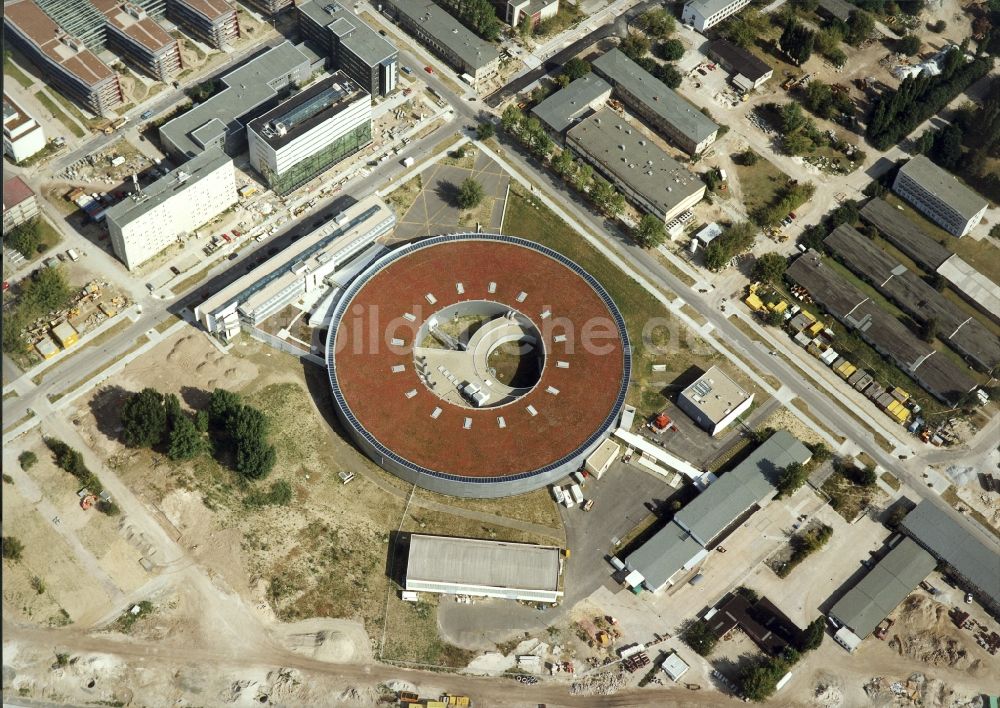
x: 702, y: 14
x: 22, y: 135
x: 939, y: 196
x: 150, y: 219
x: 310, y: 132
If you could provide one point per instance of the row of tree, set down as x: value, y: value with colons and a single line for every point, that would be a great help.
x: 531, y: 134
x: 478, y: 15
x: 637, y: 48
x: 897, y: 113
x: 735, y: 240
x: 70, y: 460
x: 236, y: 432
x: 788, y: 199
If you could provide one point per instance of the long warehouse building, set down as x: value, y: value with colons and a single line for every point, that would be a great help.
x: 468, y: 566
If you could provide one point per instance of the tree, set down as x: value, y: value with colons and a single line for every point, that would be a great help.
x: 563, y: 164
x: 511, y: 118
x: 221, y: 405
x: 731, y: 242
x: 670, y: 49
x: 929, y: 329
x: 791, y: 478
x: 26, y: 238
x: 144, y: 419
x: 774, y: 318
x: 479, y: 16
x: 770, y: 267
x: 860, y: 26
x: 699, y: 636
x: 576, y: 68
x: 185, y: 440
x: 201, y: 421
x: 792, y: 118
x: 865, y: 476
x: 650, y: 231
x: 601, y: 193
x: 255, y: 458
x: 796, y: 144
x: 806, y: 5
x: 27, y: 459
x: 634, y: 46
x: 909, y: 45
x: 45, y: 291
x: 748, y: 157
x: 485, y: 131
x: 947, y: 150
x: 797, y: 42
x: 668, y: 74
x: 470, y: 194
x: 812, y: 636
x: 583, y: 177
x: 656, y: 22
x: 820, y: 452
x: 12, y: 548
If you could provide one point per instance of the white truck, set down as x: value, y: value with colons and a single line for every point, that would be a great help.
x: 576, y: 493
x: 557, y: 494
x: 567, y: 498
x: 407, y: 161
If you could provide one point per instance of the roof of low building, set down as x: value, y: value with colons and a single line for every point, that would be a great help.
x: 841, y: 9
x: 663, y: 554
x: 707, y: 8
x: 904, y: 233
x: 943, y: 185
x: 15, y: 191
x: 175, y: 181
x: 477, y: 562
x: 935, y: 529
x: 439, y: 23
x: 655, y: 95
x: 634, y: 159
x: 361, y: 38
x: 211, y: 9
x: 560, y: 110
x: 134, y: 23
x: 740, y: 60
x: 883, y: 587
x: 715, y: 394
x: 751, y: 481
x: 976, y: 286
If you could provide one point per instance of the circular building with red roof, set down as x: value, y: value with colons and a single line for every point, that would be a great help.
x: 477, y: 365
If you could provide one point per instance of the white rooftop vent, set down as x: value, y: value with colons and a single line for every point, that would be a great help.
x: 435, y: 413
x: 430, y: 298
x: 531, y: 411
x: 492, y: 287
x: 398, y: 369
x: 501, y: 422
x: 411, y: 393
x: 467, y: 424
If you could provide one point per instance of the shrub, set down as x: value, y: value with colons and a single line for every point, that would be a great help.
x: 27, y: 459
x: 470, y: 194
x: 699, y: 636
x: 12, y: 548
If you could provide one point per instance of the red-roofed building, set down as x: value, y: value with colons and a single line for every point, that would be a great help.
x: 19, y: 204
x: 22, y: 135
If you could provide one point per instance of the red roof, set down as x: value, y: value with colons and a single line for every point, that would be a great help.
x: 15, y: 191
x: 588, y: 389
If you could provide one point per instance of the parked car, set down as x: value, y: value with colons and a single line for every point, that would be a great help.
x: 429, y: 69
x: 233, y: 256
x: 968, y: 598
x: 146, y: 115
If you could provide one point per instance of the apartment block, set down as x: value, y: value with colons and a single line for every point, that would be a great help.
x: 150, y: 219
x: 516, y: 10
x: 270, y: 7
x: 939, y: 196
x: 139, y: 40
x: 309, y: 133
x: 67, y: 63
x: 213, y: 22
x: 702, y: 14
x: 22, y: 135
x: 19, y: 203
x: 350, y: 45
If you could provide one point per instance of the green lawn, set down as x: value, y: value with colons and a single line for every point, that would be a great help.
x: 11, y: 70
x: 50, y: 237
x: 760, y: 183
x: 56, y: 111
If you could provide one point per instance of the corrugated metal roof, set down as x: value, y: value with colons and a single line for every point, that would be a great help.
x: 663, y: 555
x: 469, y: 561
x: 559, y: 110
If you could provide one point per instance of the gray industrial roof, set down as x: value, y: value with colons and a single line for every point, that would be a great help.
x: 977, y: 287
x: 663, y: 554
x: 943, y: 185
x: 883, y: 588
x: 715, y: 394
x: 655, y: 95
x: 450, y: 32
x: 707, y: 8
x: 468, y: 561
x: 904, y: 233
x: 936, y: 530
x: 246, y: 88
x: 907, y: 289
x: 737, y: 490
x: 841, y: 9
x: 634, y: 159
x: 740, y: 60
x: 167, y: 186
x: 363, y: 40
x: 562, y: 108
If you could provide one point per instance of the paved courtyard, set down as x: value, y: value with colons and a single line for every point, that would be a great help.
x: 435, y: 210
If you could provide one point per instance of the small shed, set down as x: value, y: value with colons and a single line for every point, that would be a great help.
x: 46, y: 348
x: 674, y: 666
x: 65, y: 334
x: 600, y: 459
x: 709, y: 233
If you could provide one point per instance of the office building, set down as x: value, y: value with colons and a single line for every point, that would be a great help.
x: 212, y: 22
x: 877, y: 594
x: 663, y: 109
x: 310, y: 132
x: 644, y: 173
x: 139, y: 40
x: 153, y: 218
x: 87, y: 19
x: 65, y: 61
x: 964, y: 555
x: 516, y: 10
x: 939, y: 195
x: 19, y: 203
x: 567, y: 105
x: 22, y: 135
x: 327, y: 258
x: 253, y: 88
x: 350, y: 45
x: 748, y: 71
x: 447, y: 37
x: 468, y: 566
x: 714, y: 401
x: 702, y: 14
x: 269, y: 8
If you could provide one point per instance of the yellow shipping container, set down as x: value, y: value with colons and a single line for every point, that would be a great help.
x: 65, y: 334
x: 814, y: 329
x: 900, y: 395
x: 754, y: 303
x: 46, y: 348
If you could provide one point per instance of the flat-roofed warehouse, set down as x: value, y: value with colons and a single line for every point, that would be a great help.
x: 748, y: 70
x: 563, y: 108
x: 886, y: 585
x: 965, y: 334
x: 939, y: 195
x: 656, y: 103
x: 644, y: 172
x: 974, y: 564
x: 973, y: 286
x: 468, y: 566
x: 936, y: 373
x: 904, y: 234
x: 714, y: 400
